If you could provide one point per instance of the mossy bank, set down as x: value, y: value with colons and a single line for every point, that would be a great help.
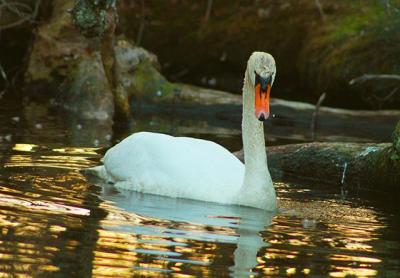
x: 316, y: 50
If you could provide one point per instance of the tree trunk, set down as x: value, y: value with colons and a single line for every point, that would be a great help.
x: 97, y: 20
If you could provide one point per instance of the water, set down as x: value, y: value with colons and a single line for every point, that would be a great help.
x: 53, y: 222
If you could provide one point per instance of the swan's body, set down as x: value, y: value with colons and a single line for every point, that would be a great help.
x: 197, y: 169
x: 174, y: 166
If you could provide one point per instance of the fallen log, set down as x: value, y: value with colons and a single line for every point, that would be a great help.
x: 354, y: 166
x: 290, y: 120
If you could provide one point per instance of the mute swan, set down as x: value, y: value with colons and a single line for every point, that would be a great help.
x: 183, y: 167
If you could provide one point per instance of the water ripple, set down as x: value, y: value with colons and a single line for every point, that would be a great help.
x: 54, y: 222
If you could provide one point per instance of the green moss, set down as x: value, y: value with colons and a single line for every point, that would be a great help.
x: 151, y: 85
x: 379, y: 171
x: 396, y: 141
x: 121, y: 100
x: 362, y: 38
x: 90, y: 18
x: 353, y: 24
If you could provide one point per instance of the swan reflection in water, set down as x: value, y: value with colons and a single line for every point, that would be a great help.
x: 195, y: 220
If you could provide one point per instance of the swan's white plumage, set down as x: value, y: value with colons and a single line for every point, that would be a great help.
x: 183, y: 167
x: 174, y: 166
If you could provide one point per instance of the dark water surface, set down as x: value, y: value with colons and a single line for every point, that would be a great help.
x: 53, y: 222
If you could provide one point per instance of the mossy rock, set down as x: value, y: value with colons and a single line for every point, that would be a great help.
x: 150, y: 85
x: 138, y: 72
x: 69, y: 66
x: 56, y: 45
x: 85, y: 91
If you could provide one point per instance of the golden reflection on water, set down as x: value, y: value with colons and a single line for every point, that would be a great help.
x: 145, y: 254
x: 24, y: 147
x: 54, y: 161
x: 347, y: 244
x: 79, y: 151
x: 70, y: 158
x: 353, y: 272
x: 52, y: 221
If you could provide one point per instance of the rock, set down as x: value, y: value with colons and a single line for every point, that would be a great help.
x: 85, y: 91
x: 57, y: 44
x: 63, y: 62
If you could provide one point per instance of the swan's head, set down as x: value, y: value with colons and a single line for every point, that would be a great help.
x: 262, y: 70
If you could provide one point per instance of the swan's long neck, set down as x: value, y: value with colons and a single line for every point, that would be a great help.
x: 257, y: 183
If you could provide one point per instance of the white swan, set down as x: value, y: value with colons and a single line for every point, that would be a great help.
x: 197, y: 169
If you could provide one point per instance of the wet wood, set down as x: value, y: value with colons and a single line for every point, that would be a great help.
x: 290, y: 119
x: 353, y: 166
x: 367, y: 77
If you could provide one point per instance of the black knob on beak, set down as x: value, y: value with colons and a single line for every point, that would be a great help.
x: 263, y: 81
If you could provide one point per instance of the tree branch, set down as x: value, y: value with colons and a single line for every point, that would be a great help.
x: 24, y: 17
x: 3, y: 74
x: 320, y: 9
x: 142, y: 24
x: 367, y: 77
x: 208, y: 11
x: 314, y: 121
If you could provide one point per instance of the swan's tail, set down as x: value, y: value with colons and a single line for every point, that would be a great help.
x: 98, y: 172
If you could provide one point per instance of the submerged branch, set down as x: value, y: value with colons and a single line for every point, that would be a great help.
x: 314, y: 121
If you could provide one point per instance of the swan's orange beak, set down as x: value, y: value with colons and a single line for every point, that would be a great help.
x: 263, y: 89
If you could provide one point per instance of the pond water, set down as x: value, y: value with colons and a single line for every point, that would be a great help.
x: 54, y: 222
